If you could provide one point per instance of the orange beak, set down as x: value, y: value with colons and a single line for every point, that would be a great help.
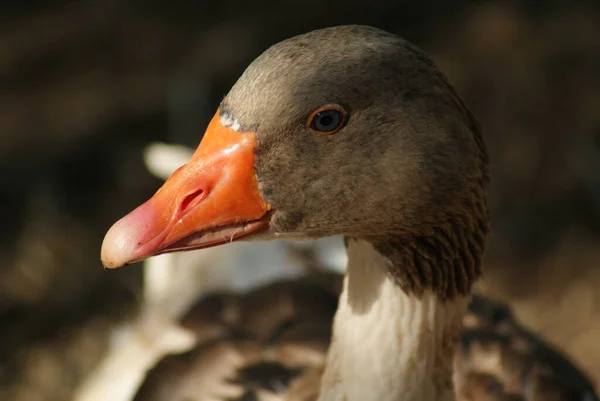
x: 212, y: 200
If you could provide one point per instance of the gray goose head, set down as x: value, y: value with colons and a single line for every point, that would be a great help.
x: 407, y: 158
x: 346, y: 130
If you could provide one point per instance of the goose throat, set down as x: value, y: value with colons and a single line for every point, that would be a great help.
x: 390, y: 342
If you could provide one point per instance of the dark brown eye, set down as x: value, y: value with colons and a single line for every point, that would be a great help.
x: 327, y: 120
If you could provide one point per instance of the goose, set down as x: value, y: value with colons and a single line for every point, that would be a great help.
x: 350, y: 131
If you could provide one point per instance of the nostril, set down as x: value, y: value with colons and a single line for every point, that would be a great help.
x: 191, y: 200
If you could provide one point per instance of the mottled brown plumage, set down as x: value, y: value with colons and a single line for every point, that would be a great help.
x: 499, y: 359
x: 266, y: 342
x: 270, y: 345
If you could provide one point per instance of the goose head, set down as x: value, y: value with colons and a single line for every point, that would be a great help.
x: 346, y: 130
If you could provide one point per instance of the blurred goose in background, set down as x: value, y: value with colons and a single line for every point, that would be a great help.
x: 343, y: 131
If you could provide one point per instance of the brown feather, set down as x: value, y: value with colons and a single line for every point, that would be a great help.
x: 270, y: 345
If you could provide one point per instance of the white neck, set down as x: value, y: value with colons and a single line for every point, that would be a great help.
x: 388, y: 345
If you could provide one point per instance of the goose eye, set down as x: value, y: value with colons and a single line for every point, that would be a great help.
x: 327, y: 120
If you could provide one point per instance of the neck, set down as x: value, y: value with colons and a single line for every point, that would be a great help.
x: 389, y: 342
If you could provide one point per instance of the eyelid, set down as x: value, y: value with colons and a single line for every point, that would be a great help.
x: 326, y: 107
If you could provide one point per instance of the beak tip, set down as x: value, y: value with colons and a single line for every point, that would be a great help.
x: 116, y: 249
x: 125, y: 242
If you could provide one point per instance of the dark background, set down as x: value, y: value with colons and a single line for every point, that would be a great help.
x: 85, y: 85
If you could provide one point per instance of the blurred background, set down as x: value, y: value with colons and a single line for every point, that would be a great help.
x: 86, y: 85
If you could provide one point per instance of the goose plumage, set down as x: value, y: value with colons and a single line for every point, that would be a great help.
x: 346, y: 130
x: 249, y: 349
